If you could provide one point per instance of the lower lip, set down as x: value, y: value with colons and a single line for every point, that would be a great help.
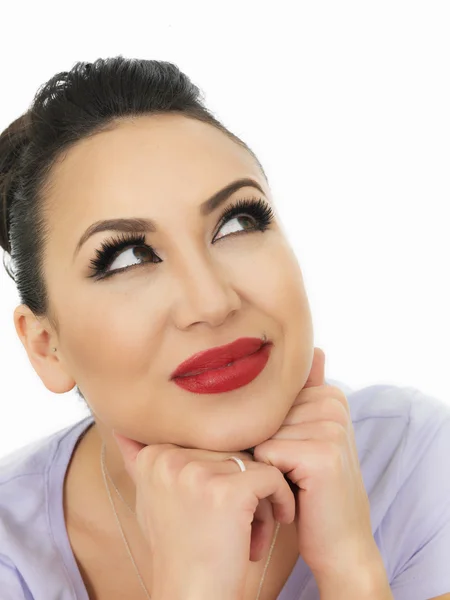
x: 225, y: 379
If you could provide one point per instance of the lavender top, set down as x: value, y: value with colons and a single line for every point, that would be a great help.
x: 403, y: 441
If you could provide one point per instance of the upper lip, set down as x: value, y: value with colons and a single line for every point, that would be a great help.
x: 214, y: 358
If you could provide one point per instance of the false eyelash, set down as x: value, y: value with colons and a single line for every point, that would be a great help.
x: 110, y: 248
x: 258, y: 209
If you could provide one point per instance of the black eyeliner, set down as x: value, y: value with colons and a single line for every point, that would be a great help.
x: 258, y: 209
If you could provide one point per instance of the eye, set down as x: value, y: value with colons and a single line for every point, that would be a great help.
x: 227, y: 227
x: 142, y: 253
x: 118, y: 252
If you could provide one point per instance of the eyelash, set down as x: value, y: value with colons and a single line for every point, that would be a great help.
x: 258, y: 209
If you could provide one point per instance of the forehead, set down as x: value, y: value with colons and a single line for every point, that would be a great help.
x: 159, y: 152
x: 156, y: 166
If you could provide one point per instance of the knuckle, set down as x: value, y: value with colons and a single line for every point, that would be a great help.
x: 322, y: 406
x: 195, y: 474
x: 336, y: 392
x: 222, y: 493
x: 336, y: 410
x: 149, y: 454
x: 275, y: 472
x: 333, y: 456
x: 339, y: 395
x: 145, y: 459
x: 336, y: 432
x: 168, y: 463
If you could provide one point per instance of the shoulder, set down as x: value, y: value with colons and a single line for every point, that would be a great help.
x: 33, y: 459
x: 30, y: 478
x: 403, y: 441
x: 392, y: 413
x: 397, y: 431
x: 33, y: 547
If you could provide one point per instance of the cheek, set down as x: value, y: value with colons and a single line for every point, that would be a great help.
x: 107, y: 342
x: 285, y: 296
x: 287, y: 302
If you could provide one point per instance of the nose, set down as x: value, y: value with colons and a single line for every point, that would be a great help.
x: 207, y: 293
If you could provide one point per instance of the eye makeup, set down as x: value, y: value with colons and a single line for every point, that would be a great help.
x: 258, y: 209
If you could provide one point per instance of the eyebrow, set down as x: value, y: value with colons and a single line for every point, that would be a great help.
x: 144, y: 225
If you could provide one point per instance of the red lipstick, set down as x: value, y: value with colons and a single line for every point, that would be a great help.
x: 210, y: 371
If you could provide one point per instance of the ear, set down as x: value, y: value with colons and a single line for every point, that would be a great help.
x: 38, y: 340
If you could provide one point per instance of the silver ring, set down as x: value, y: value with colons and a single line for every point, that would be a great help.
x: 238, y: 461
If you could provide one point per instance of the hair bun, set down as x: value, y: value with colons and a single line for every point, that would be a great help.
x: 13, y: 141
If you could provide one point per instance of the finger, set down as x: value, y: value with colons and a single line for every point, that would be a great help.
x: 265, y: 481
x: 273, y: 486
x: 262, y: 530
x: 129, y: 450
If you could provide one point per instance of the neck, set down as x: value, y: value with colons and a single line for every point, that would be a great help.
x: 114, y: 467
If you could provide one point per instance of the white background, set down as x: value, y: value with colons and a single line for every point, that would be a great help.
x: 346, y: 104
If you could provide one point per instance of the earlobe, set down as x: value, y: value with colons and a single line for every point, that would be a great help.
x: 39, y: 343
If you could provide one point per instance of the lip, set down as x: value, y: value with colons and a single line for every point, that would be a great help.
x: 218, y: 357
x: 225, y: 379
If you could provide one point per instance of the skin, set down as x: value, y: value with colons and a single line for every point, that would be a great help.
x: 120, y: 338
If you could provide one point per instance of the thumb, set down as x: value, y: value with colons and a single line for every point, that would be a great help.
x: 316, y: 376
x: 129, y: 450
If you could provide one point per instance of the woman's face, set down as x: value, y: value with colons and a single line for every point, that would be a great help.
x: 121, y: 337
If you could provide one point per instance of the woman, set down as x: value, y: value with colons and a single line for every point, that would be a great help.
x: 242, y: 473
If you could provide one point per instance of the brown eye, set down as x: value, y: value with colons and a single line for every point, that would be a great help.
x: 131, y: 248
x: 134, y: 253
x: 229, y: 228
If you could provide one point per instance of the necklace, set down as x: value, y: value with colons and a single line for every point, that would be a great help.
x: 104, y: 472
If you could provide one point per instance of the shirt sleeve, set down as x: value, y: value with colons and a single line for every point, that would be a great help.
x: 417, y: 533
x: 11, y: 582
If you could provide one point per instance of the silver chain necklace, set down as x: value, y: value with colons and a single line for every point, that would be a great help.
x: 104, y: 472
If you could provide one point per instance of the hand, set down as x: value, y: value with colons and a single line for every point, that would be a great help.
x: 316, y: 449
x: 202, y: 517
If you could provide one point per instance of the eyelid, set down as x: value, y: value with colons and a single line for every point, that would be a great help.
x: 257, y: 208
x: 250, y: 204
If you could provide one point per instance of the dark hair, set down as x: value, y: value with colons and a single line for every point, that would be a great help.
x: 72, y: 105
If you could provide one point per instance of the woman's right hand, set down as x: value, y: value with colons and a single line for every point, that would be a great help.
x: 202, y: 517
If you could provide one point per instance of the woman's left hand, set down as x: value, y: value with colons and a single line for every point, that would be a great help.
x: 316, y: 449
